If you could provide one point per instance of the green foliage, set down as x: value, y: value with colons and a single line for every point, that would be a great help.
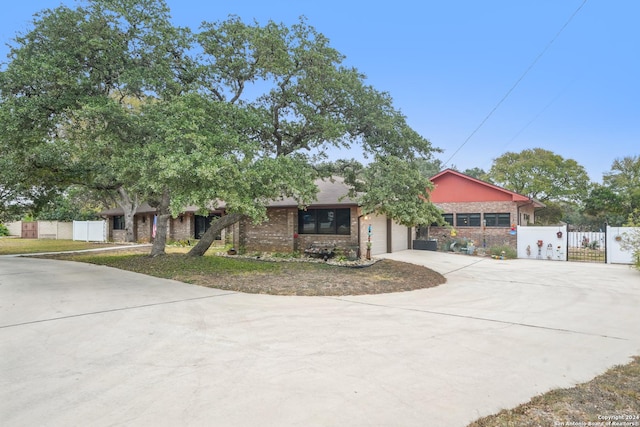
x: 624, y: 181
x: 4, y: 231
x: 552, y: 213
x: 477, y: 173
x: 540, y: 174
x: 429, y: 168
x: 618, y: 195
x: 70, y: 206
x: 507, y: 251
x: 395, y: 188
x: 110, y: 95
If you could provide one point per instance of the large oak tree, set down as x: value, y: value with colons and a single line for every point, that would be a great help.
x: 111, y: 95
x: 540, y: 174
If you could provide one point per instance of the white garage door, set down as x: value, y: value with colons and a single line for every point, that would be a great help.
x: 378, y: 234
x: 399, y: 237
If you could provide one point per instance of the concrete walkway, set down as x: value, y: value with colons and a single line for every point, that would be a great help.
x: 90, y: 345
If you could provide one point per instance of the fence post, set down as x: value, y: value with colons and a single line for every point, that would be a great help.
x: 606, y: 243
x: 566, y: 232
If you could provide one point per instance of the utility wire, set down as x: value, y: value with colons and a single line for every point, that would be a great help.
x: 517, y: 82
x: 486, y: 164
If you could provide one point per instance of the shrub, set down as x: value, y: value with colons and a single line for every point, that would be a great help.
x: 509, y: 252
x: 4, y: 231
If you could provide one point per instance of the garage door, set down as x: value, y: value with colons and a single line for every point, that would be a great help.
x: 399, y: 237
x: 378, y: 234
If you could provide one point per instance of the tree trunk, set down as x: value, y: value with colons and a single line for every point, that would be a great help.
x: 209, y: 236
x: 164, y: 214
x: 129, y: 206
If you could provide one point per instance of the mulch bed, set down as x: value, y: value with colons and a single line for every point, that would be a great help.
x: 302, y: 276
x: 312, y: 279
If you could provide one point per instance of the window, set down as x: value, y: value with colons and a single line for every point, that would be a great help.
x: 468, y: 220
x: 118, y: 222
x: 497, y: 219
x: 324, y: 221
x: 448, y: 218
x: 202, y: 224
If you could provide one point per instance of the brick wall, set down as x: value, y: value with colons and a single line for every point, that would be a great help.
x: 182, y: 227
x: 143, y: 227
x: 481, y: 236
x: 273, y: 235
x: 277, y: 234
x: 495, y: 236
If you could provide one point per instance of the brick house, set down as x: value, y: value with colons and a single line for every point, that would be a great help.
x: 334, y: 219
x: 479, y: 211
x: 186, y: 226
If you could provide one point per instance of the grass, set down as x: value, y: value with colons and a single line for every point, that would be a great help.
x: 616, y: 393
x: 175, y: 266
x: 11, y: 246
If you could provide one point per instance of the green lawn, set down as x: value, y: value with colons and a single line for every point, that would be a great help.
x: 177, y: 265
x: 10, y: 246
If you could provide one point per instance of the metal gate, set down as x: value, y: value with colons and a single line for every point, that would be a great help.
x: 29, y: 230
x: 587, y: 246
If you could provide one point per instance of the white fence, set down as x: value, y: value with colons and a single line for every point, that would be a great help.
x: 90, y: 231
x: 553, y: 243
x: 548, y: 243
x: 615, y: 253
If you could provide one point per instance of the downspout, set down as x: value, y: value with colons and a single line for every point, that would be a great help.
x: 359, y: 235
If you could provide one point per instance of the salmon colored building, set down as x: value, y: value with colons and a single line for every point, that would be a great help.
x: 479, y: 211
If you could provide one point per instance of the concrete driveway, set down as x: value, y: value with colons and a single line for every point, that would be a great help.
x: 90, y: 345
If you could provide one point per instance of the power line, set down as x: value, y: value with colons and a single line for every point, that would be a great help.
x: 486, y: 165
x: 517, y: 82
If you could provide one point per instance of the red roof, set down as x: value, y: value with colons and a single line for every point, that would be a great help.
x: 452, y: 186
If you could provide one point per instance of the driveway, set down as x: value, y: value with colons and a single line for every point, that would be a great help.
x: 90, y: 345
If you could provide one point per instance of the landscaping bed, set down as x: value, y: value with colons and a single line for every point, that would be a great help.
x: 273, y: 275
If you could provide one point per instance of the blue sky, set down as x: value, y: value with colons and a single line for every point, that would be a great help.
x: 447, y: 64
